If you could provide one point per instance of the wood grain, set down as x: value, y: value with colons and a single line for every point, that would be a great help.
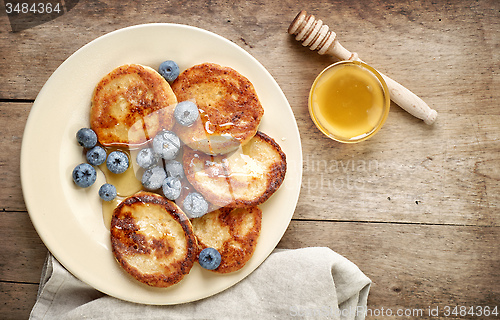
x: 415, y: 207
x: 17, y: 299
x: 22, y: 259
x: 418, y: 47
x: 12, y: 121
x: 449, y: 175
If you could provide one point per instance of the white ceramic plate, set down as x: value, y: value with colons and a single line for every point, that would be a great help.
x: 69, y: 219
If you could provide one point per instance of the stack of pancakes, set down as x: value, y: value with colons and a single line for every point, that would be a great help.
x: 226, y: 159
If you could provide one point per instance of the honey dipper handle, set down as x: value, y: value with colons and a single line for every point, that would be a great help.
x: 409, y: 101
x: 316, y: 35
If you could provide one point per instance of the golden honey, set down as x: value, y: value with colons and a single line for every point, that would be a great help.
x: 349, y: 101
x: 127, y: 184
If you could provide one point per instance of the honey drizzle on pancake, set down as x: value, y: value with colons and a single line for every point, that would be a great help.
x: 230, y: 111
x: 206, y: 124
x: 246, y: 177
x: 233, y: 232
x: 129, y: 183
x: 153, y: 239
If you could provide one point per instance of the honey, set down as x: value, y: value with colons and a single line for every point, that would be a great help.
x: 107, y: 210
x: 127, y: 184
x: 349, y: 102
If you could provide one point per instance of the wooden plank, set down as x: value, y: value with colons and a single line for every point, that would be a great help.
x: 17, y: 300
x: 408, y: 172
x: 413, y: 266
x: 12, y: 121
x: 23, y: 255
x: 425, y: 47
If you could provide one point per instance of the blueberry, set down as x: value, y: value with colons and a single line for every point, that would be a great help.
x: 96, y: 156
x: 195, y: 205
x: 166, y: 144
x: 186, y: 113
x: 146, y: 158
x: 172, y: 188
x: 209, y: 258
x: 107, y: 192
x: 84, y: 175
x: 169, y: 70
x: 117, y: 162
x: 152, y: 178
x: 86, y: 137
x: 174, y: 169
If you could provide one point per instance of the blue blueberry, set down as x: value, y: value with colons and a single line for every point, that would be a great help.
x: 172, y: 188
x: 209, y: 258
x: 174, y: 169
x: 86, y: 137
x: 186, y: 113
x: 169, y: 70
x: 107, y: 192
x: 84, y: 175
x: 166, y: 144
x: 96, y: 156
x: 146, y: 158
x: 195, y: 205
x: 153, y: 178
x: 117, y: 162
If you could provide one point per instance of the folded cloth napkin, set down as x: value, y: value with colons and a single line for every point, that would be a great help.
x: 308, y: 283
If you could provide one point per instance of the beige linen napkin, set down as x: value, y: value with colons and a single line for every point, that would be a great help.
x: 307, y: 283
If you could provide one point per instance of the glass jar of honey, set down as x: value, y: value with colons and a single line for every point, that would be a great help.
x: 349, y: 101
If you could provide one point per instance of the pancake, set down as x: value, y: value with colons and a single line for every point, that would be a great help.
x: 230, y: 111
x: 130, y: 105
x: 233, y: 232
x: 246, y: 177
x: 152, y: 239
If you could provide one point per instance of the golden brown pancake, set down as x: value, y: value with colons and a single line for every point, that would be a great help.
x: 233, y: 232
x: 246, y: 177
x: 152, y: 239
x: 230, y: 111
x: 130, y: 105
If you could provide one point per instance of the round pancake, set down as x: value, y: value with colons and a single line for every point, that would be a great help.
x: 233, y: 232
x: 245, y: 177
x: 230, y: 111
x: 130, y: 105
x: 152, y: 239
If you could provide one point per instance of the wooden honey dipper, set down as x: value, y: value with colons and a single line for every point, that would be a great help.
x: 313, y: 33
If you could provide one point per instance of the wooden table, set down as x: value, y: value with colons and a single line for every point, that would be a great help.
x: 416, y: 207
